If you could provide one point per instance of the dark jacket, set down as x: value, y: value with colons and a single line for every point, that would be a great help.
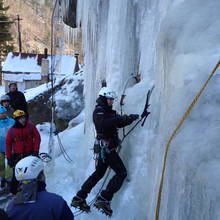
x: 48, y: 206
x: 18, y: 101
x: 107, y: 121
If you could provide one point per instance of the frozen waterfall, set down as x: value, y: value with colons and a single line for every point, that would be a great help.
x: 174, y: 45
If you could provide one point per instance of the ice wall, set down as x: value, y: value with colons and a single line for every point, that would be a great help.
x: 188, y: 50
x: 174, y: 45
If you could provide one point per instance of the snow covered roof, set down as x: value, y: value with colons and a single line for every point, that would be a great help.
x: 22, y: 77
x: 27, y: 63
x: 22, y: 63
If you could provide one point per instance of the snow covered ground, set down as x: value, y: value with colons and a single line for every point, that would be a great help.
x: 2, y: 90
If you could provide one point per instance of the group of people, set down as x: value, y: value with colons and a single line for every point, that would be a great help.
x: 21, y: 146
x: 13, y: 108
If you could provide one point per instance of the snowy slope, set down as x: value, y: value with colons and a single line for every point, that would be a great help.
x: 2, y: 90
x: 174, y: 45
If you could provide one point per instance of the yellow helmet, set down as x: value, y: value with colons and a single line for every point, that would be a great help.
x: 18, y: 113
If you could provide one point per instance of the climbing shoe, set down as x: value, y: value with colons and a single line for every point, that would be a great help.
x: 103, y: 205
x: 80, y: 203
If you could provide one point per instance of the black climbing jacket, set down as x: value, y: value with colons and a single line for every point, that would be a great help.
x: 107, y: 122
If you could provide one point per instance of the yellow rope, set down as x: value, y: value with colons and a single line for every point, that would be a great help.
x: 172, y: 136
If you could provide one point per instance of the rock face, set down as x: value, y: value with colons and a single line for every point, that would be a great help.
x: 36, y: 32
x: 69, y: 17
x: 68, y: 104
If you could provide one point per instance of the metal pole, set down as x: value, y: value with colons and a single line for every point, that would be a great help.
x: 0, y: 70
x: 52, y: 69
x: 19, y: 34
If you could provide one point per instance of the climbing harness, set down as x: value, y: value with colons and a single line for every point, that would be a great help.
x: 101, y: 148
x: 173, y: 135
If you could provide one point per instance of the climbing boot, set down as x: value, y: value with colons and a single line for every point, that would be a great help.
x: 103, y: 205
x: 80, y: 203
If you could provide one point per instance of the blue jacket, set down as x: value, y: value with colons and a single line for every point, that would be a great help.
x: 48, y: 206
x: 5, y: 124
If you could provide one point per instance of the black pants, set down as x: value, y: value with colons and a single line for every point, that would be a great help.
x: 14, y: 184
x: 113, y: 160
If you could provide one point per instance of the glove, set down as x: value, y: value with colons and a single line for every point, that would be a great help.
x: 35, y: 153
x: 10, y: 162
x: 133, y: 117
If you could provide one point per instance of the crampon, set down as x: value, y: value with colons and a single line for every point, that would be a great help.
x: 80, y: 203
x: 103, y: 206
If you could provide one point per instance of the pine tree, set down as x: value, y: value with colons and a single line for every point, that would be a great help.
x: 6, y: 40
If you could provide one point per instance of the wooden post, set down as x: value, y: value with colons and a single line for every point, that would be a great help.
x: 19, y: 34
x: 76, y: 53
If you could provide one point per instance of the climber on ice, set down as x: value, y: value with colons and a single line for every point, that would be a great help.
x: 107, y: 122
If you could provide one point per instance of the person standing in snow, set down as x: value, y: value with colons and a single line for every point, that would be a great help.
x: 23, y: 139
x: 5, y: 124
x: 5, y: 102
x: 107, y: 122
x: 33, y: 202
x: 17, y: 98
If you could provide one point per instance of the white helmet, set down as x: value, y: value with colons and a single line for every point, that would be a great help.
x: 28, y: 168
x: 108, y: 93
x: 4, y: 98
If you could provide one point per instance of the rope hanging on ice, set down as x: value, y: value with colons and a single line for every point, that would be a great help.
x: 173, y: 135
